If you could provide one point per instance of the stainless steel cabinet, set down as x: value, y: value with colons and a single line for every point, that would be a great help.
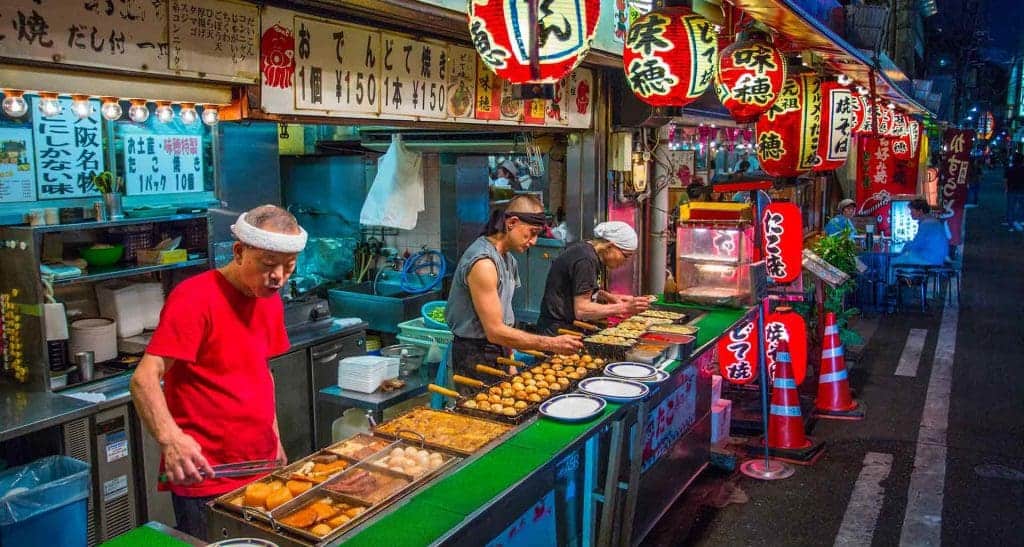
x: 292, y: 394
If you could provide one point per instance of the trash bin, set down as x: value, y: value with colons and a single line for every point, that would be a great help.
x: 44, y: 503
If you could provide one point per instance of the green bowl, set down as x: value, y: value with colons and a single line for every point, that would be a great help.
x: 102, y: 257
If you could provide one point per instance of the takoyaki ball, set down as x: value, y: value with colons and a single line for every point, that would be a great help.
x: 509, y: 411
x: 506, y: 385
x: 484, y: 405
x: 507, y: 392
x: 534, y: 398
x: 521, y: 395
x: 520, y: 405
x: 494, y: 399
x: 481, y: 397
x: 531, y: 389
x: 508, y: 401
x: 471, y: 404
x: 544, y: 392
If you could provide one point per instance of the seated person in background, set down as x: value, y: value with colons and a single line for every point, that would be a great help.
x: 930, y: 246
x: 844, y: 220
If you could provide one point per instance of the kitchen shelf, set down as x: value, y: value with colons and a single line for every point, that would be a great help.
x: 93, y: 225
x: 115, y: 272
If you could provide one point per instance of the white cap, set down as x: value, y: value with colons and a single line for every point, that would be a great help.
x: 510, y: 167
x: 618, y: 233
x: 846, y: 203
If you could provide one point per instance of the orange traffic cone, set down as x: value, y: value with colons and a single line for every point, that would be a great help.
x: 834, y: 399
x: 785, y: 424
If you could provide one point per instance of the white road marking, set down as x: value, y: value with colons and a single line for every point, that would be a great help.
x: 865, y: 504
x: 922, y: 523
x: 911, y: 355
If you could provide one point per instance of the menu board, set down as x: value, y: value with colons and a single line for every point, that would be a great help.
x: 68, y: 151
x: 163, y: 164
x: 17, y: 171
x: 214, y: 37
x: 313, y: 66
x: 415, y: 77
x: 345, y: 58
x: 461, y: 81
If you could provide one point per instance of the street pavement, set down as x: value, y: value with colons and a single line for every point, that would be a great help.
x: 955, y: 479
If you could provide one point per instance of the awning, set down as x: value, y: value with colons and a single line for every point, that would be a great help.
x: 806, y: 32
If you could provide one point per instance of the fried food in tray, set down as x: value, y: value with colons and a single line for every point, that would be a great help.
x: 266, y: 494
x: 316, y: 468
x: 610, y: 340
x: 457, y: 432
x: 620, y: 333
x: 645, y: 320
x: 662, y: 314
x: 675, y: 329
x: 517, y: 394
x: 632, y: 325
x: 368, y: 484
x: 323, y: 516
x: 359, y: 447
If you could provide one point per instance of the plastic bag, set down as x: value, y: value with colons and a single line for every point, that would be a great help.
x: 396, y: 197
x: 43, y: 485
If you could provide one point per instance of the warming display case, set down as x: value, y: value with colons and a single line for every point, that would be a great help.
x: 714, y: 262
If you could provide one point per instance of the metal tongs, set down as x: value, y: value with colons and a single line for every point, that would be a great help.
x: 240, y: 469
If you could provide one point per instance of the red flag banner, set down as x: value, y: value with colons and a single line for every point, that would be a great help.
x: 956, y: 144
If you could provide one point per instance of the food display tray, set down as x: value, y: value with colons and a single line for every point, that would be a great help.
x: 610, y: 352
x: 411, y: 435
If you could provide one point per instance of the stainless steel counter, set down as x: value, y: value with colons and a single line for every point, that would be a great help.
x: 22, y: 413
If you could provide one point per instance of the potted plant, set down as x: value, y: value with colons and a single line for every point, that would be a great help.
x: 111, y: 187
x: 840, y: 251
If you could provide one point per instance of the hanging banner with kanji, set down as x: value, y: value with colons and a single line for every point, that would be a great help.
x: 953, y: 179
x: 838, y: 120
x: 737, y: 354
x: 876, y: 179
x: 488, y: 93
x: 163, y: 164
x: 782, y: 247
x: 68, y: 151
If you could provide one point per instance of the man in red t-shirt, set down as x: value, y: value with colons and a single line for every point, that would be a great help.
x: 211, y: 349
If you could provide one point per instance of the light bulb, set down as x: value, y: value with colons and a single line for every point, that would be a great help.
x: 843, y: 79
x: 164, y: 112
x: 210, y: 115
x: 111, y: 108
x: 80, y: 106
x: 891, y: 106
x: 14, y: 104
x: 188, y: 113
x: 49, y: 105
x: 861, y: 90
x: 138, y: 112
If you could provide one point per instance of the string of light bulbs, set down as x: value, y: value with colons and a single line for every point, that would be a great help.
x: 16, y: 106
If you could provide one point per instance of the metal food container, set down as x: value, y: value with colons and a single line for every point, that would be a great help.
x: 680, y: 345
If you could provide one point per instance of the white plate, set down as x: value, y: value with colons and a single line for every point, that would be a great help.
x: 629, y: 370
x: 572, y: 407
x: 615, y: 390
x: 657, y: 378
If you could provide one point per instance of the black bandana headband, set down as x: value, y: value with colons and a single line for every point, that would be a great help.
x: 496, y: 223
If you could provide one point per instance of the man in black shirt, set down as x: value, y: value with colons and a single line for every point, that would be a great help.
x: 572, y: 292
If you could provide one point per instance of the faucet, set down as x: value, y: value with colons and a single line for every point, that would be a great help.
x: 393, y: 261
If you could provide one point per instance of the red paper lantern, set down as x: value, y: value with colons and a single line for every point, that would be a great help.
x: 737, y: 354
x: 669, y: 56
x: 786, y: 324
x: 838, y: 119
x: 500, y: 31
x: 788, y: 134
x: 749, y: 78
x: 782, y: 246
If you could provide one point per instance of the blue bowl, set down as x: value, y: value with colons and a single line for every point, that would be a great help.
x: 425, y: 311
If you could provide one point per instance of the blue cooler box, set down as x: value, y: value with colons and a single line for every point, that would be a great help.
x: 44, y: 503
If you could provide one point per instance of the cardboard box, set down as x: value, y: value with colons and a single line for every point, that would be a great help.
x: 152, y: 257
x: 716, y: 388
x: 721, y: 420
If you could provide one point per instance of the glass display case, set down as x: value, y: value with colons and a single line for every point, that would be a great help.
x: 714, y: 263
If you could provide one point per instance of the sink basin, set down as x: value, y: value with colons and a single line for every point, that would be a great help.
x: 384, y: 310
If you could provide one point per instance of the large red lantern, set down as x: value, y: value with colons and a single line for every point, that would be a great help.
x: 786, y: 324
x: 749, y: 78
x: 838, y: 120
x: 669, y: 56
x: 737, y: 354
x: 783, y: 241
x: 788, y: 134
x: 501, y: 32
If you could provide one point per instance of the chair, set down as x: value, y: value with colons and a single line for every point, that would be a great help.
x: 948, y: 278
x: 913, y: 276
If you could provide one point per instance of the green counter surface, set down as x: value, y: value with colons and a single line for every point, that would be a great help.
x: 438, y: 508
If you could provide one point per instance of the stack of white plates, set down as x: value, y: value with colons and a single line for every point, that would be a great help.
x: 365, y: 373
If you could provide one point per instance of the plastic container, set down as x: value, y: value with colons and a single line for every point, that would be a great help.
x: 44, y: 503
x: 415, y: 329
x: 429, y: 307
x: 106, y: 256
x: 410, y: 357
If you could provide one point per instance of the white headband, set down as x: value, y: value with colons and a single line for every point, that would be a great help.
x: 267, y: 240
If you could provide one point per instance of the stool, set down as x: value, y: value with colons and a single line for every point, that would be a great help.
x: 912, y: 276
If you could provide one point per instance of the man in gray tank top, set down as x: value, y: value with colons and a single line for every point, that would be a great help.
x: 480, y: 302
